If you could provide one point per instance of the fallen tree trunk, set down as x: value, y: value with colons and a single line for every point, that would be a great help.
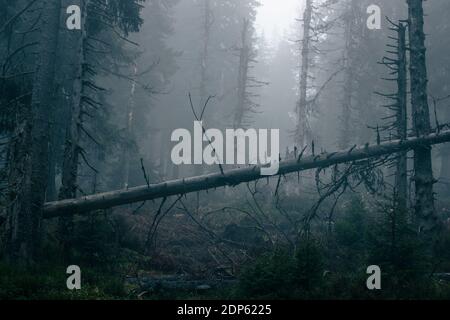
x: 233, y: 177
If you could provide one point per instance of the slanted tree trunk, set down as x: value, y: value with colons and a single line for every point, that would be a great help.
x: 233, y: 177
x: 423, y: 172
x: 303, y: 131
x: 26, y: 213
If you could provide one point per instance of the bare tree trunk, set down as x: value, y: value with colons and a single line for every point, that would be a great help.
x: 73, y: 132
x: 164, y: 154
x: 303, y: 131
x: 401, y: 179
x: 26, y: 213
x: 129, y: 132
x: 423, y: 172
x: 207, y: 24
x: 346, y: 115
x: 51, y: 194
x: 234, y: 177
x: 444, y: 177
x: 72, y: 148
x: 244, y: 57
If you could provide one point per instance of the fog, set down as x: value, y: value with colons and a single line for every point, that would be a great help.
x: 136, y: 136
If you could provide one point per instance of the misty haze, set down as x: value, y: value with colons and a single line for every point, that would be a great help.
x: 224, y: 149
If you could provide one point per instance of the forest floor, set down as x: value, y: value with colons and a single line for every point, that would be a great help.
x: 206, y: 260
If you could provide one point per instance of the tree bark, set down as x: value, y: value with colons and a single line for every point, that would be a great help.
x: 244, y: 59
x: 233, y: 177
x: 26, y: 213
x: 72, y: 149
x: 344, y: 139
x: 73, y: 132
x: 303, y: 130
x: 207, y: 24
x: 444, y: 177
x: 129, y: 131
x: 401, y: 121
x: 423, y: 172
x: 204, y: 56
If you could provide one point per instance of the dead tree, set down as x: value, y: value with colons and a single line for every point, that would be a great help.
x: 423, y: 171
x: 243, y: 73
x: 86, y: 94
x: 401, y: 179
x: 73, y: 132
x: 398, y: 125
x: 351, y: 37
x: 26, y: 212
x: 235, y: 177
x: 303, y: 130
x: 207, y: 25
x: 16, y: 75
x: 246, y: 81
x: 244, y: 60
x: 317, y: 22
x: 72, y: 146
x: 129, y: 131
